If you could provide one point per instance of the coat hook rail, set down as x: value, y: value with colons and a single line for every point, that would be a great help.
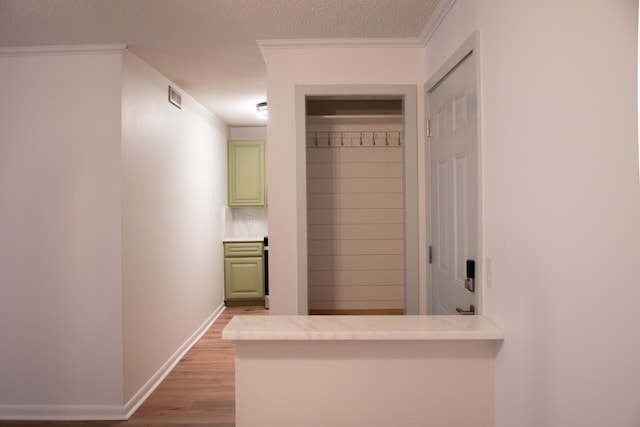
x: 364, y: 138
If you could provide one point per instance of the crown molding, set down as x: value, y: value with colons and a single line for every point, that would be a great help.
x: 442, y: 9
x: 265, y: 45
x: 63, y: 50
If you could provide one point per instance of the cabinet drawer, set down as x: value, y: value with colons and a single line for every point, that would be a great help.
x: 242, y: 249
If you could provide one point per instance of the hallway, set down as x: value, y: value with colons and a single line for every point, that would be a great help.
x: 200, y: 391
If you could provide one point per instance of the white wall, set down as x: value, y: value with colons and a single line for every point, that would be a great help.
x: 248, y: 132
x: 60, y: 202
x: 111, y: 223
x: 286, y: 68
x: 174, y: 189
x: 561, y: 203
x: 354, y: 383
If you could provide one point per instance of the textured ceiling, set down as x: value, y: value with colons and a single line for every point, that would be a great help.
x: 208, y: 47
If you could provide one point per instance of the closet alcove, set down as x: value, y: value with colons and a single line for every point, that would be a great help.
x: 355, y: 205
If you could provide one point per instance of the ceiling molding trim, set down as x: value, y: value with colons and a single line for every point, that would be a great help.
x: 338, y: 43
x: 442, y: 9
x: 63, y: 50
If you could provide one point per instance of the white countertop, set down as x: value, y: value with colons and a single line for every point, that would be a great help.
x: 243, y: 239
x: 263, y: 328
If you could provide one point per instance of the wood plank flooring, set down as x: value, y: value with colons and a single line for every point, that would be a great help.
x: 199, y: 392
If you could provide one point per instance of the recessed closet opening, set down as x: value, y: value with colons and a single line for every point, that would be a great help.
x: 361, y: 238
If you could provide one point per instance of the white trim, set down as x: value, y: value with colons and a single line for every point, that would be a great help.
x: 145, y: 391
x: 440, y: 12
x: 63, y: 50
x: 410, y: 42
x: 62, y: 412
x: 408, y: 93
x: 470, y: 45
x: 109, y: 412
x: 442, y: 9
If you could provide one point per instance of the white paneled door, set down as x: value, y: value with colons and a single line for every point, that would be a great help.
x: 454, y: 189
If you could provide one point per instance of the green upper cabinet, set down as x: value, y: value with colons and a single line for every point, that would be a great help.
x: 246, y: 173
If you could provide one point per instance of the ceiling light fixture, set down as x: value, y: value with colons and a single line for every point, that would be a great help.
x: 262, y: 109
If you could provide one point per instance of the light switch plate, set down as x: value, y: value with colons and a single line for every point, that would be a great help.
x: 489, y: 270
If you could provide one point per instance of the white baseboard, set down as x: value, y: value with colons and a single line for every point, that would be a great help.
x: 62, y: 412
x: 138, y: 399
x: 108, y: 412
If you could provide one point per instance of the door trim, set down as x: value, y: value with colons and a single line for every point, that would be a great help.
x: 408, y: 93
x: 469, y: 46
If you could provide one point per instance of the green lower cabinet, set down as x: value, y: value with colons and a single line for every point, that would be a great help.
x: 243, y: 275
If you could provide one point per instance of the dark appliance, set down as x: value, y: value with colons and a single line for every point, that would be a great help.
x: 266, y: 271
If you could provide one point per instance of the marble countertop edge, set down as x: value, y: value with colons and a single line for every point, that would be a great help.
x: 370, y: 328
x: 242, y: 239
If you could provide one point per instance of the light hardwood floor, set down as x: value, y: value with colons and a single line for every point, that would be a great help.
x: 200, y: 391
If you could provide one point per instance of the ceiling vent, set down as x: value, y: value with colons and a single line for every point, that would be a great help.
x: 174, y: 97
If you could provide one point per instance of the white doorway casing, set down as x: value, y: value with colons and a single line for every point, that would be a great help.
x: 409, y: 97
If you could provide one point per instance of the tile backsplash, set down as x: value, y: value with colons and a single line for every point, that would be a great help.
x: 245, y: 222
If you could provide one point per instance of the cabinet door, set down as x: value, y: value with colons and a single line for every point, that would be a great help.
x: 243, y: 278
x: 246, y: 173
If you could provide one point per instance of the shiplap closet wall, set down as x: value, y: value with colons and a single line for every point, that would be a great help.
x: 355, y: 204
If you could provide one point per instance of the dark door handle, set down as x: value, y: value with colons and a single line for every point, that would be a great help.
x: 470, y: 312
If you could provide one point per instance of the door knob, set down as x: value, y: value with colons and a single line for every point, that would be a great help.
x: 470, y: 312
